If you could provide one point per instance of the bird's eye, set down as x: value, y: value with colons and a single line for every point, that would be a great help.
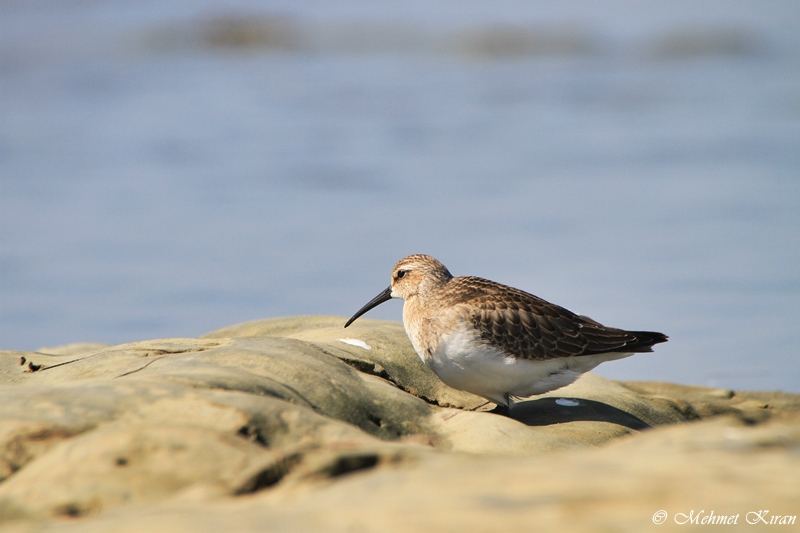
x: 400, y: 274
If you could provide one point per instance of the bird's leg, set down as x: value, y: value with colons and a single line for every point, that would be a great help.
x: 503, y: 409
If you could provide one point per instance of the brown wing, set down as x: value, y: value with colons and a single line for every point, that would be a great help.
x: 528, y: 327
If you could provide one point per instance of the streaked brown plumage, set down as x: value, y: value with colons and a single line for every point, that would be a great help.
x: 529, y: 327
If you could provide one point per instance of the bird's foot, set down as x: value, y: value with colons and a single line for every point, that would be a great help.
x: 500, y: 410
x: 478, y: 407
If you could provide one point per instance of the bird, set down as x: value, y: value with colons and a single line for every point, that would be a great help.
x: 495, y: 341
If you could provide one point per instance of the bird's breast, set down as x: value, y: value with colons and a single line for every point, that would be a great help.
x: 425, y: 329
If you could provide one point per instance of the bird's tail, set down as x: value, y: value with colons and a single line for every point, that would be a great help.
x: 645, y: 341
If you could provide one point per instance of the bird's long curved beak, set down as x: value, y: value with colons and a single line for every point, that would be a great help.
x: 385, y: 296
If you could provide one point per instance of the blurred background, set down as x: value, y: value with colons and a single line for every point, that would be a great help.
x: 169, y: 168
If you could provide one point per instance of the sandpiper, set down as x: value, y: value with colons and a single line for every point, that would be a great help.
x: 494, y: 340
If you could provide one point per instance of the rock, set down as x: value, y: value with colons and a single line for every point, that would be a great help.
x: 298, y: 424
x: 388, y: 354
x: 74, y: 348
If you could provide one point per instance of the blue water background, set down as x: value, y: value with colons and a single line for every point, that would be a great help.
x: 169, y: 168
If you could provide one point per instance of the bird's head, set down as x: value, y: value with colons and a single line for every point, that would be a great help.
x: 411, y: 276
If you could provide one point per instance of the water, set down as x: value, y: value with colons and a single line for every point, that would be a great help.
x: 175, y: 168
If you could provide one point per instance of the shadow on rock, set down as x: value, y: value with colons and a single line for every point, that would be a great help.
x: 549, y: 411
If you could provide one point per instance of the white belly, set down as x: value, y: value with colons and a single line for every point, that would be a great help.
x: 465, y: 363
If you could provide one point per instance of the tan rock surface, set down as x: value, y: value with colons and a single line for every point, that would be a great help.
x: 296, y: 424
